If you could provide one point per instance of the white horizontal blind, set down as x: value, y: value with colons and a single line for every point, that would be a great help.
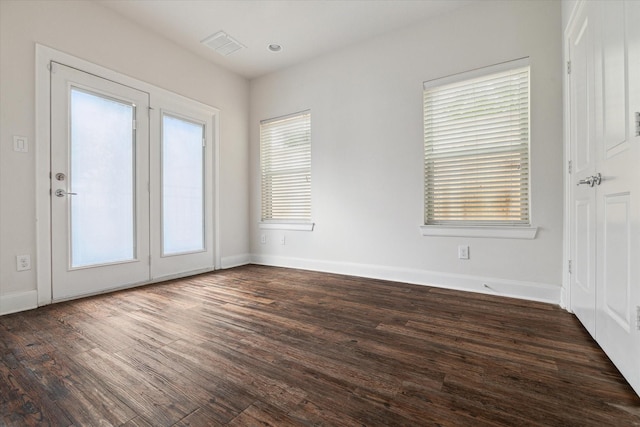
x: 476, y: 142
x: 285, y: 158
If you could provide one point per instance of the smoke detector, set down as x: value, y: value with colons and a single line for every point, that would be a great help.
x: 222, y: 43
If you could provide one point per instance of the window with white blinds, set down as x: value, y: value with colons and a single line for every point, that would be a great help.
x: 285, y: 159
x: 476, y: 145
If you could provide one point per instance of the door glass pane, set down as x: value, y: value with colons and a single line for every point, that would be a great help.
x: 103, y: 178
x: 182, y: 186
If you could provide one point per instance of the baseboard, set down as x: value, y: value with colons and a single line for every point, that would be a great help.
x: 533, y: 291
x: 21, y: 301
x: 18, y: 301
x: 235, y: 261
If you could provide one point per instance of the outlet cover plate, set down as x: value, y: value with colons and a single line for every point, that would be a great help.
x: 23, y: 262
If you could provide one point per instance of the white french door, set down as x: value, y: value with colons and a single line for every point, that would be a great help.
x: 182, y: 186
x: 100, y: 170
x: 604, y: 47
x: 131, y: 185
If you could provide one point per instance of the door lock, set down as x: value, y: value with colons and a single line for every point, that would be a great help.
x: 591, y: 180
x: 61, y: 193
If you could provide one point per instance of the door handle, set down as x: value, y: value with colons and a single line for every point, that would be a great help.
x: 591, y: 180
x: 62, y: 193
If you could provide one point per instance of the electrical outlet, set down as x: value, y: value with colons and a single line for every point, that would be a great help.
x: 282, y: 240
x: 463, y: 252
x: 23, y: 262
x: 263, y: 239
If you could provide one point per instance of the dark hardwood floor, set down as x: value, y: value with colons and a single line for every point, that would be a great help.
x: 259, y: 346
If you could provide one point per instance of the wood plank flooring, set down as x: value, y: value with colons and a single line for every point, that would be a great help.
x: 263, y: 346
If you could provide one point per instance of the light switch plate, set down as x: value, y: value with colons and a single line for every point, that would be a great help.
x: 20, y: 144
x: 463, y: 252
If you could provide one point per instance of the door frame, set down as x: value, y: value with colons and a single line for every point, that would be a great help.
x: 565, y: 296
x: 44, y: 55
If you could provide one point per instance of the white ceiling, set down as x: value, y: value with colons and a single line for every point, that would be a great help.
x: 304, y: 28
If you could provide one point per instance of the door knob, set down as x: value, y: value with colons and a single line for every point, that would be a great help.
x: 62, y: 193
x: 591, y: 180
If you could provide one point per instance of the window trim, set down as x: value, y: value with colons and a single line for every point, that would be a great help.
x: 286, y: 225
x: 502, y: 230
x: 496, y: 232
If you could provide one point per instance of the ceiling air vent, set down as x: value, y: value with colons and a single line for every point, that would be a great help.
x: 222, y: 43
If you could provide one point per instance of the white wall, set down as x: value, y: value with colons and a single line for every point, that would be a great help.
x: 567, y: 9
x: 96, y: 34
x: 367, y: 167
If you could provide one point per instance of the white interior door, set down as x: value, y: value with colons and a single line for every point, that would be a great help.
x: 99, y: 184
x: 606, y: 236
x: 618, y: 159
x: 583, y: 201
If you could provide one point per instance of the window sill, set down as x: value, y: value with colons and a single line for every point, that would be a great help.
x: 295, y: 226
x: 491, y: 232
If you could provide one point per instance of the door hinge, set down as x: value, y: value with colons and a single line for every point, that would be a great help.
x: 570, y: 167
x: 638, y: 317
x: 637, y: 124
x: 135, y: 124
x: 569, y: 266
x: 568, y: 67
